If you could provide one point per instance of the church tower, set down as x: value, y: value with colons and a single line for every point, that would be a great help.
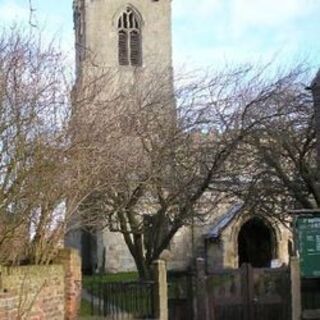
x: 132, y: 40
x: 123, y: 35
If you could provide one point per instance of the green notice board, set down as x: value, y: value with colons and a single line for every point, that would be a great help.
x: 308, y: 234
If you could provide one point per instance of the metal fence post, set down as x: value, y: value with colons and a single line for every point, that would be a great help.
x: 160, y: 290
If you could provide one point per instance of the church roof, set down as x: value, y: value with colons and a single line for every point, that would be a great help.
x: 224, y: 221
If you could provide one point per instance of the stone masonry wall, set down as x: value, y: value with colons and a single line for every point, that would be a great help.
x: 40, y: 292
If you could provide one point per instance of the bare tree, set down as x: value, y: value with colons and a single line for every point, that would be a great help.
x: 160, y: 156
x: 277, y: 167
x: 35, y: 174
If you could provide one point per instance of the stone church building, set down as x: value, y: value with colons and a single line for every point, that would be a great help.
x: 133, y: 37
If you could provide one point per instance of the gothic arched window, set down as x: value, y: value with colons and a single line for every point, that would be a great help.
x: 129, y: 39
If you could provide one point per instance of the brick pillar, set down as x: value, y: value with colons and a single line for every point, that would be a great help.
x: 295, y: 288
x: 160, y: 290
x: 71, y: 261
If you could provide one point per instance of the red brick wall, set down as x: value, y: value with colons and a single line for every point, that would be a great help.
x: 71, y: 261
x: 41, y: 292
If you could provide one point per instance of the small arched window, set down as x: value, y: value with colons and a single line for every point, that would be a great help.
x: 129, y: 39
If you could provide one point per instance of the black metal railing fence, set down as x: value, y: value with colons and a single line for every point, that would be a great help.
x: 122, y: 300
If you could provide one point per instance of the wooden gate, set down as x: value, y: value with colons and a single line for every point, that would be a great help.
x: 249, y: 294
x: 180, y: 297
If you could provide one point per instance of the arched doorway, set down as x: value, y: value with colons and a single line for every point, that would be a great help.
x: 256, y: 244
x: 88, y: 252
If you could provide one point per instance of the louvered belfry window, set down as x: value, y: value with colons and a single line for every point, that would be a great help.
x: 129, y: 39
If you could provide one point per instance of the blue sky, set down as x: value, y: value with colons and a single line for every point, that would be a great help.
x: 208, y: 32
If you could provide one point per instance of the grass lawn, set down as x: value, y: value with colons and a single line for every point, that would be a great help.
x: 111, y: 277
x: 85, y: 309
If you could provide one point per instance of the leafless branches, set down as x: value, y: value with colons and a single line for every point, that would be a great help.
x: 34, y: 111
x: 276, y: 162
x: 163, y: 159
x: 136, y: 156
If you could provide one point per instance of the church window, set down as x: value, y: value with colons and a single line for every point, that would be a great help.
x: 129, y: 39
x: 123, y: 48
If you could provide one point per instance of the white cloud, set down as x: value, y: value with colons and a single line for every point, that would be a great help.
x: 51, y: 25
x: 208, y: 32
x: 195, y: 9
x: 10, y: 11
x: 250, y: 14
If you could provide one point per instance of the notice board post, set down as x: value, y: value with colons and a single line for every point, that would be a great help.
x: 308, y: 244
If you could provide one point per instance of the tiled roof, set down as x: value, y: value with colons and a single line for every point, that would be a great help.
x: 224, y: 221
